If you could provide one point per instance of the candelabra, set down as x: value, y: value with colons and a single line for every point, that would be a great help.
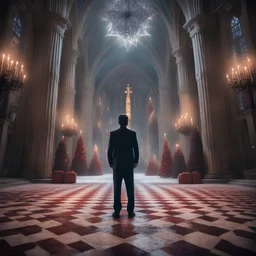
x: 243, y: 79
x: 69, y: 127
x: 184, y: 125
x: 12, y: 76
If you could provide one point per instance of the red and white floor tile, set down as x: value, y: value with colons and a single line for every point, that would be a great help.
x: 171, y: 219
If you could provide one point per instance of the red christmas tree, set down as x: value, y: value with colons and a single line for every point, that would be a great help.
x: 179, y: 164
x: 95, y: 167
x: 61, y: 162
x: 79, y: 163
x: 152, y: 167
x: 196, y: 160
x: 166, y: 161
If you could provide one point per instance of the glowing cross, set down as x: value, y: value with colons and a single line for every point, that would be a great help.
x: 128, y: 103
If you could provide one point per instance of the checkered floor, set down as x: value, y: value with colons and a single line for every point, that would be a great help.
x: 171, y: 219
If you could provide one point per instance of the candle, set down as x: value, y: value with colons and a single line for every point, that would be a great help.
x: 177, y: 145
x: 16, y: 70
x: 237, y: 77
x: 228, y: 79
x: 11, y: 65
x: 239, y: 72
x: 246, y: 73
x: 191, y: 121
x: 24, y: 78
x: 21, y: 71
x: 2, y: 64
x: 249, y: 67
x: 8, y: 62
x: 81, y: 132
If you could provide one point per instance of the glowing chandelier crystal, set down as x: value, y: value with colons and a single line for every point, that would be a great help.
x: 128, y: 21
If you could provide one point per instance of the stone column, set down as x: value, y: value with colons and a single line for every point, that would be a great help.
x: 44, y: 90
x: 165, y: 120
x: 186, y: 105
x: 202, y: 71
x: 66, y: 98
x: 86, y: 118
x: 184, y: 91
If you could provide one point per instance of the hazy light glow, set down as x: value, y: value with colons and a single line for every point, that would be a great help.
x: 128, y: 21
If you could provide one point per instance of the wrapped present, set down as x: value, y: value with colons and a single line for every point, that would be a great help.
x: 58, y: 177
x: 185, y: 178
x: 70, y: 177
x: 196, y: 176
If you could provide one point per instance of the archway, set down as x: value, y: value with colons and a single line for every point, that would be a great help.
x: 110, y: 101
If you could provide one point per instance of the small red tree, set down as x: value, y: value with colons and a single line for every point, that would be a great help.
x: 179, y: 164
x: 79, y: 163
x: 95, y: 167
x: 166, y: 161
x: 196, y: 160
x: 61, y: 162
x: 152, y: 167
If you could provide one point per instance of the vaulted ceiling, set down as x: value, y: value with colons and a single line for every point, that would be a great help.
x: 151, y: 57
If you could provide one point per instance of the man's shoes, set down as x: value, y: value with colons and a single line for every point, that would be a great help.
x: 116, y: 215
x: 131, y: 215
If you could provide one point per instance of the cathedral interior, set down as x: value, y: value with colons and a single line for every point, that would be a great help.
x: 183, y: 71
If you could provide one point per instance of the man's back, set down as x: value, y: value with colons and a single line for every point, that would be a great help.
x: 123, y: 148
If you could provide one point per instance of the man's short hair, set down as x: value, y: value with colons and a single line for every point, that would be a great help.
x: 123, y: 120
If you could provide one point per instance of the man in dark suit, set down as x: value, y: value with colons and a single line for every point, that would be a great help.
x: 123, y: 157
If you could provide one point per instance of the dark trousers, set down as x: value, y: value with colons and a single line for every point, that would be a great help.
x: 128, y: 177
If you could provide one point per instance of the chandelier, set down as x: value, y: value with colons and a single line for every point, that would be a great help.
x: 128, y: 21
x: 184, y: 125
x: 243, y: 79
x: 242, y: 76
x: 12, y: 76
x: 69, y: 127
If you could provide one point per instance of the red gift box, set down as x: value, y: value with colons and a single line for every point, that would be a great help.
x: 185, y: 178
x: 57, y: 177
x: 196, y: 176
x: 70, y: 177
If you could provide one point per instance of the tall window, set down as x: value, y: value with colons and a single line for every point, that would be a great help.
x: 239, y: 50
x: 16, y: 28
x: 238, y: 41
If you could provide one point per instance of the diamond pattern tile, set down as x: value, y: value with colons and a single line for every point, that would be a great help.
x: 171, y: 219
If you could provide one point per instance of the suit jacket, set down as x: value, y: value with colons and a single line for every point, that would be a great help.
x: 123, y: 150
